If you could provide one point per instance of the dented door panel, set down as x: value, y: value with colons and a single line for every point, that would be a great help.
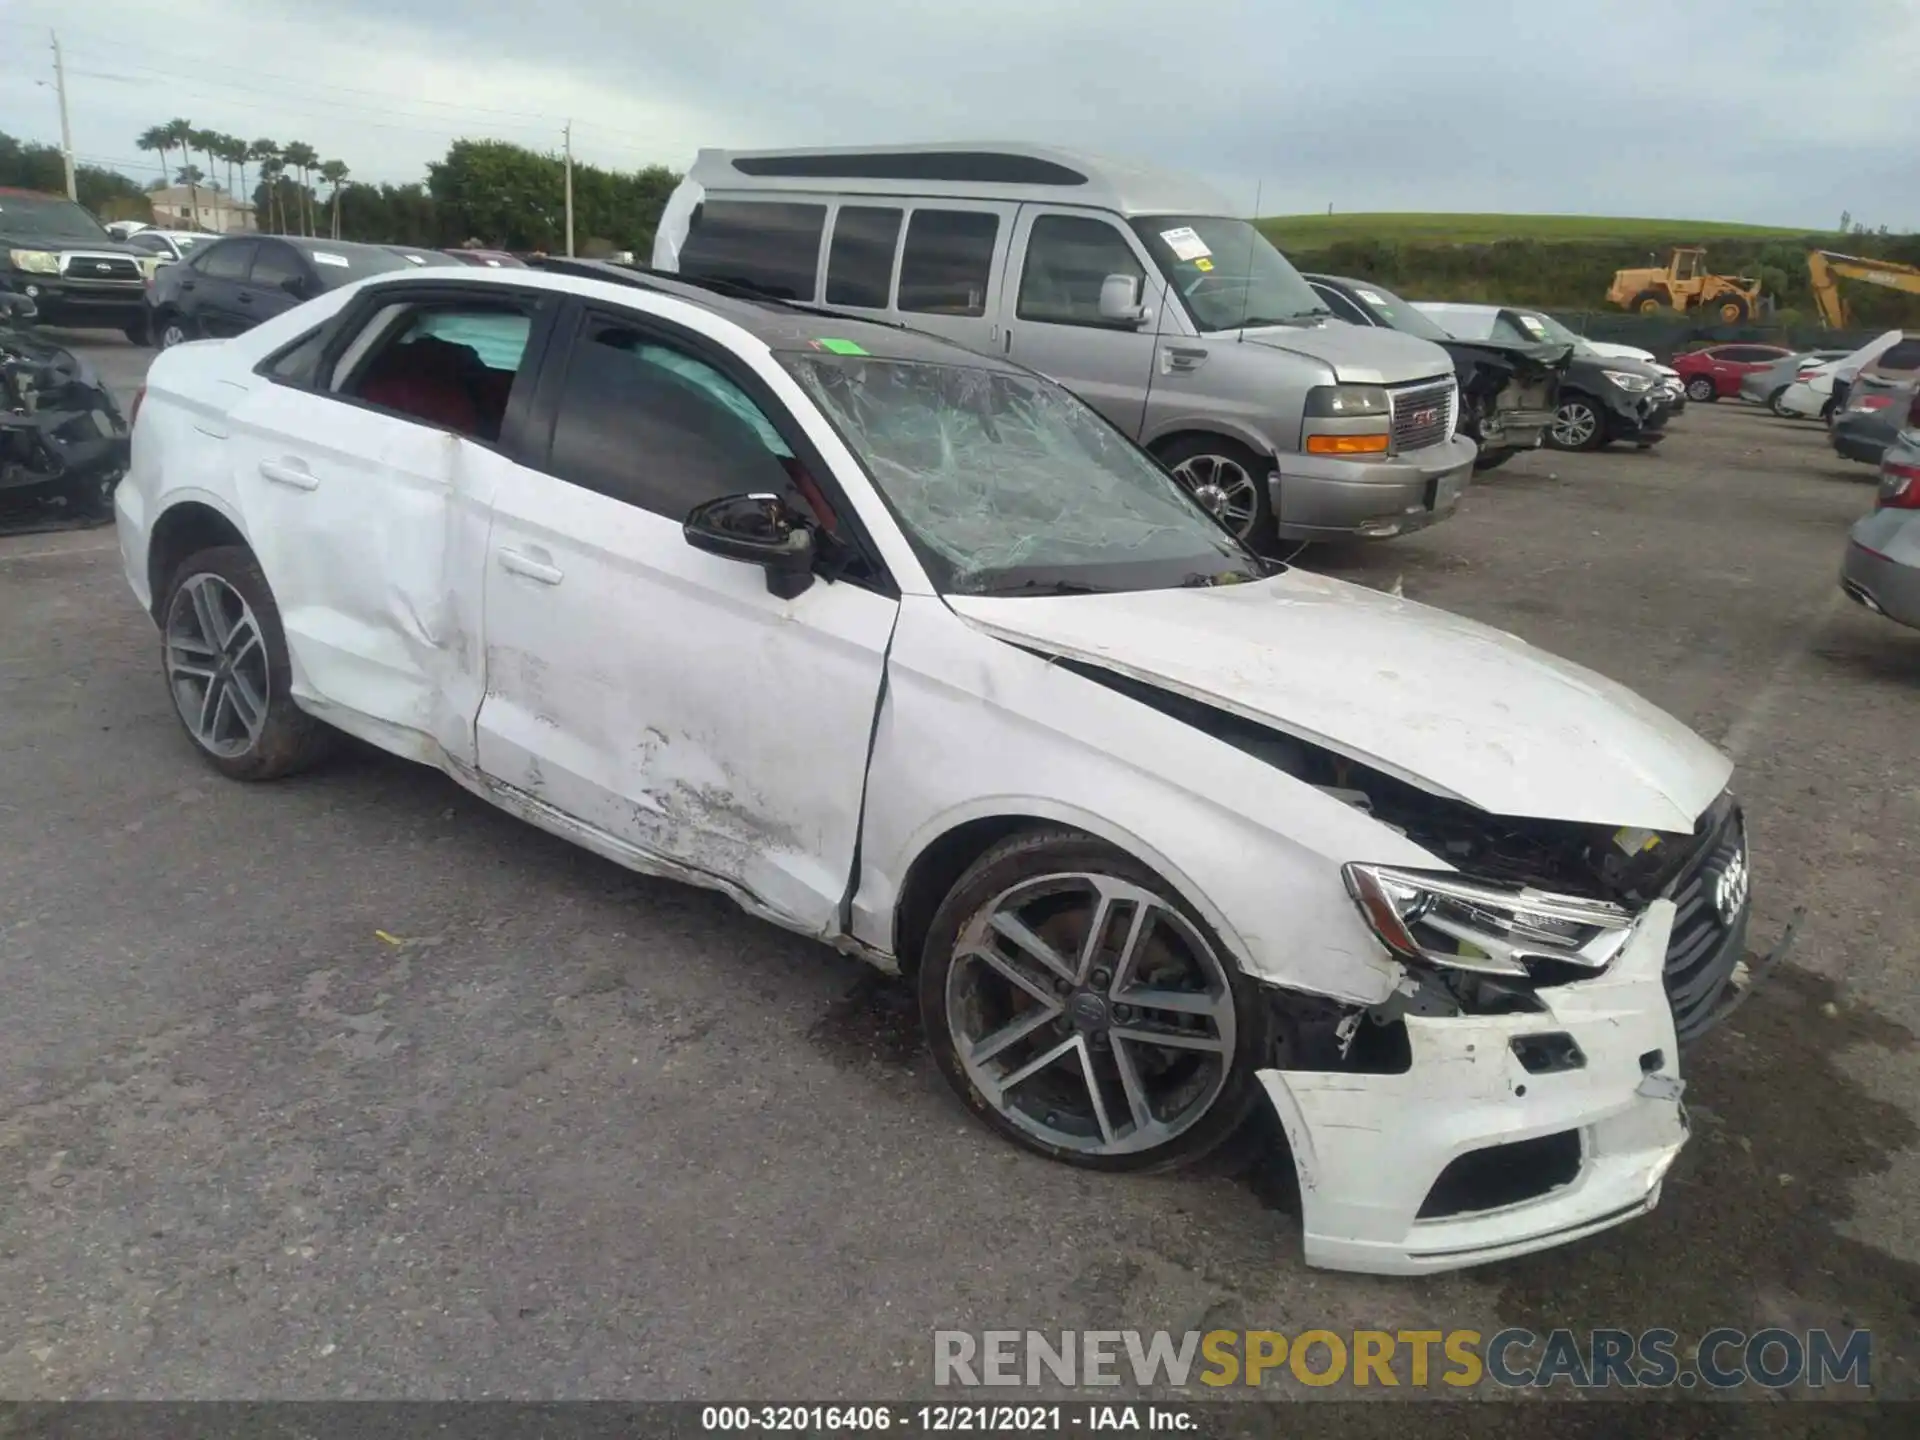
x: 661, y: 694
x: 373, y: 543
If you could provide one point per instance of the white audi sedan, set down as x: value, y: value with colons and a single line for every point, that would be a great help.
x: 907, y: 650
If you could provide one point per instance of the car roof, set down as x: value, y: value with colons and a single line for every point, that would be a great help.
x: 778, y: 325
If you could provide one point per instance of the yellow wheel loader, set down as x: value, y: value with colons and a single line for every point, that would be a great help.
x: 1687, y: 287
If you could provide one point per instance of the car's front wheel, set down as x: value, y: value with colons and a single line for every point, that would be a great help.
x: 1080, y: 1008
x: 1700, y: 389
x: 226, y: 663
x: 171, y: 329
x: 1577, y: 425
x: 1231, y: 481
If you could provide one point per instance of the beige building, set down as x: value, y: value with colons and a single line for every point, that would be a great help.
x: 219, y: 212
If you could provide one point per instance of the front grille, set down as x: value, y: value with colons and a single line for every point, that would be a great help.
x: 82, y: 266
x: 1706, y: 945
x: 1423, y: 416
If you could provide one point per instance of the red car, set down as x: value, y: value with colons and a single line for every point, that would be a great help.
x: 493, y: 259
x: 1717, y: 370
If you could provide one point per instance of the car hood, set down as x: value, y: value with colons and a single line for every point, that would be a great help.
x: 1357, y: 354
x: 1613, y: 350
x: 1454, y: 707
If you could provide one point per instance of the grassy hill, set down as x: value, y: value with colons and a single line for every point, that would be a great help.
x: 1319, y: 232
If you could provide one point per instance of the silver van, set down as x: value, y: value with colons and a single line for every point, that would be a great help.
x: 1181, y: 324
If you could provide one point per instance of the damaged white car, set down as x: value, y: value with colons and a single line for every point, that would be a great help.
x: 908, y: 650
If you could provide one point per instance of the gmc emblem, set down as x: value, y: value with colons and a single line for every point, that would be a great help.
x: 1428, y: 416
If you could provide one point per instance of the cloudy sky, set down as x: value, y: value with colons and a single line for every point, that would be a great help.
x: 1769, y: 112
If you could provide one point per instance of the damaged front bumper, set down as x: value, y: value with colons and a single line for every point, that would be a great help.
x: 1505, y: 1134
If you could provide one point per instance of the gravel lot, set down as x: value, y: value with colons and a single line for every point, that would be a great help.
x: 352, y: 1086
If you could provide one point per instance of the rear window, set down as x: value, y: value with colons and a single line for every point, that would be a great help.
x: 1904, y: 355
x: 947, y: 261
x: 774, y: 247
x: 339, y: 265
x: 860, y: 263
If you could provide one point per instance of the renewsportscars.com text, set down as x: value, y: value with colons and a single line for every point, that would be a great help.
x: 1722, y: 1359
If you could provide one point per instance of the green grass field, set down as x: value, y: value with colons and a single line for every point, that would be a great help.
x: 1316, y: 232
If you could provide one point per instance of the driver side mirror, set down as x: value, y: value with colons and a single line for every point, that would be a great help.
x: 1120, y: 301
x: 760, y: 530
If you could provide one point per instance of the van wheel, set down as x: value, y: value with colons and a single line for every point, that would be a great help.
x: 1230, y: 481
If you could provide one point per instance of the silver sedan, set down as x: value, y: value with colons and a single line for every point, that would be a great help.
x: 1882, y: 568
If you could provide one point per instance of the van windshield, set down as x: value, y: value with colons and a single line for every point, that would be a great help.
x: 1008, y: 485
x: 1228, y: 273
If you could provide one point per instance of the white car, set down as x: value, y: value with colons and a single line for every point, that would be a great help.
x: 906, y: 649
x: 167, y: 246
x: 1811, y: 396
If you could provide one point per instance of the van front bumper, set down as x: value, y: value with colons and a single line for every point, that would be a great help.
x: 1323, y: 497
x: 1386, y: 1182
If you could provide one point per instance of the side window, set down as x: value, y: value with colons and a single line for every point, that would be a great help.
x: 772, y: 246
x: 450, y: 364
x: 275, y: 264
x: 947, y: 261
x: 1342, y: 307
x: 1903, y: 355
x: 1068, y: 259
x: 644, y: 422
x: 228, y: 261
x: 153, y: 244
x: 860, y: 261
x: 1506, y: 327
x: 298, y: 363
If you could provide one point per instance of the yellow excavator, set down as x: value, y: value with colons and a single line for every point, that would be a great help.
x: 1826, y: 267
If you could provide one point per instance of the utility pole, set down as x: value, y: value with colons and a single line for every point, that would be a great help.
x: 66, y: 130
x: 568, y: 132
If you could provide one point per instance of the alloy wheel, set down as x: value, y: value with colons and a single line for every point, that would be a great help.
x: 1090, y: 1013
x: 1575, y: 424
x: 217, y: 665
x: 1700, y: 389
x: 174, y: 333
x: 1223, y: 485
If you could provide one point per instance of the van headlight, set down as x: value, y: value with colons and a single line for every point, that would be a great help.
x: 1628, y: 381
x: 1447, y: 919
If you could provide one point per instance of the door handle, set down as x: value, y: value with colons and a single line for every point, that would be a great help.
x: 293, y: 473
x: 515, y: 563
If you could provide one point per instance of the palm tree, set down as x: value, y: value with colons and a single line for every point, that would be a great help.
x: 303, y: 157
x: 335, y: 173
x: 264, y: 153
x: 272, y: 170
x: 180, y: 133
x: 206, y: 141
x: 155, y: 138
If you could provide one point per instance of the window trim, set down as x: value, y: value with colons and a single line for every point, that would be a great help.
x: 347, y: 324
x: 1031, y: 216
x: 568, y: 336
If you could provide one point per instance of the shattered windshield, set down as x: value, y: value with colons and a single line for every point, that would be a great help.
x: 1228, y: 273
x: 1008, y: 485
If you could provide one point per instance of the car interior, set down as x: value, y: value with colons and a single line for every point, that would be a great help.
x: 451, y: 368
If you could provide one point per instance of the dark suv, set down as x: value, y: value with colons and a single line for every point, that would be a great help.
x: 63, y: 260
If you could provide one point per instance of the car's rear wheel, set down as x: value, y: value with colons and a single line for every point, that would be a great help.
x: 1081, y: 1010
x: 1577, y: 425
x: 226, y: 663
x: 1230, y: 480
x: 1700, y: 388
x: 1776, y: 403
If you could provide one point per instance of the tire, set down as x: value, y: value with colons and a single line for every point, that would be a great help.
x: 1773, y: 404
x: 1728, y: 309
x: 171, y: 328
x: 1192, y: 1097
x: 1579, y: 424
x: 136, y: 333
x: 1701, y: 390
x: 233, y: 691
x: 1484, y: 461
x: 1648, y: 302
x: 1204, y: 463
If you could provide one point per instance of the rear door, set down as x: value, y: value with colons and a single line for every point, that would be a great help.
x: 953, y: 258
x: 1060, y: 260
x: 658, y: 694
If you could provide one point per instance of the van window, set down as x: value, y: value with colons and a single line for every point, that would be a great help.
x: 772, y: 246
x: 1068, y: 259
x: 860, y: 262
x: 947, y: 261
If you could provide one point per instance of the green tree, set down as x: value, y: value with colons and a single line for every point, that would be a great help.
x: 335, y: 173
x: 507, y: 195
x: 264, y: 153
x: 110, y: 195
x: 303, y: 157
x: 156, y: 139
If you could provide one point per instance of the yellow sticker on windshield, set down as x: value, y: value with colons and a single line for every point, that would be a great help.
x: 1203, y: 263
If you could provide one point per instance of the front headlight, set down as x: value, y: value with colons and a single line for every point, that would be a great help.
x: 1446, y: 919
x: 35, y: 262
x: 1347, y: 402
x: 1628, y: 381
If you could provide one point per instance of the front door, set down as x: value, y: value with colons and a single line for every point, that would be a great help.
x: 654, y: 692
x: 212, y: 297
x: 1060, y: 260
x: 265, y: 294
